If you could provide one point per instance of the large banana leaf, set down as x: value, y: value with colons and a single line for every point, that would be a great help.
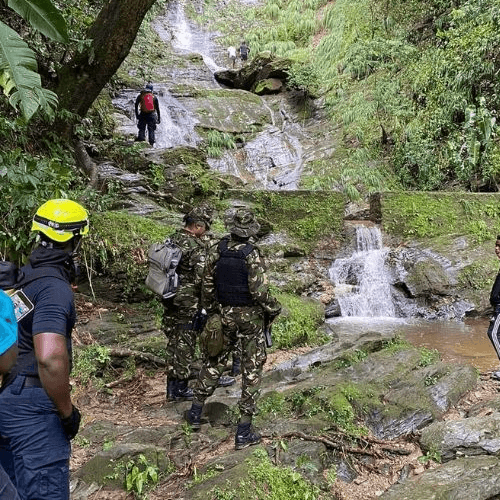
x: 18, y: 70
x: 43, y: 16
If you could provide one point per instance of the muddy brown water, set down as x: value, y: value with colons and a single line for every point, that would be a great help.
x: 461, y: 342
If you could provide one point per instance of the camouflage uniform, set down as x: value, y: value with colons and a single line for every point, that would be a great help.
x: 239, y: 323
x: 180, y: 310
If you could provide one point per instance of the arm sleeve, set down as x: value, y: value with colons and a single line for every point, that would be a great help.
x: 157, y: 107
x: 258, y: 284
x: 208, y: 285
x: 136, y: 106
x: 54, y: 311
x: 495, y: 292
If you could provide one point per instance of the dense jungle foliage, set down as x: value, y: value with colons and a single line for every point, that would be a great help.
x: 411, y: 84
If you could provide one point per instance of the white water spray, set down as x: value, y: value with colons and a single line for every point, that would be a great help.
x: 363, y: 278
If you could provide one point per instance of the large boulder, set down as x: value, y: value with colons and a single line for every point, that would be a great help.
x: 262, y: 67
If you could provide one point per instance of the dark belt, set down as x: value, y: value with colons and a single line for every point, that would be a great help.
x: 29, y: 381
x: 32, y: 382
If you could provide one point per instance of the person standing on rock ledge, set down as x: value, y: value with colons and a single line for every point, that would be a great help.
x: 494, y: 327
x: 244, y: 50
x: 235, y: 286
x: 147, y: 113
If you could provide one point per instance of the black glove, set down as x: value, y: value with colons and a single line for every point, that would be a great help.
x: 199, y: 320
x: 71, y: 424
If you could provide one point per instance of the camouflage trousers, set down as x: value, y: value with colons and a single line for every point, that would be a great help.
x: 243, y: 328
x: 181, y: 345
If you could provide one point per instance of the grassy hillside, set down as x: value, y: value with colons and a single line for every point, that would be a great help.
x: 412, y: 84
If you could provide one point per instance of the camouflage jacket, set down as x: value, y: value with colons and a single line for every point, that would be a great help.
x: 190, y: 271
x: 257, y: 278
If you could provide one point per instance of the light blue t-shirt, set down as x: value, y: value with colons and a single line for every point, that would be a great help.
x: 8, y: 323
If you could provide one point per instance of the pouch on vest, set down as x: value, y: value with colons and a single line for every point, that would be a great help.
x: 147, y: 103
x: 162, y: 276
x: 212, y: 338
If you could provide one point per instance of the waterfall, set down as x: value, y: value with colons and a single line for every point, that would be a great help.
x: 183, y: 36
x: 362, y: 280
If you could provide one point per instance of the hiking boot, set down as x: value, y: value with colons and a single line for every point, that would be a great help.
x: 182, y: 392
x: 226, y: 381
x: 236, y: 369
x: 245, y: 437
x: 193, y: 416
x: 496, y: 375
x: 171, y: 385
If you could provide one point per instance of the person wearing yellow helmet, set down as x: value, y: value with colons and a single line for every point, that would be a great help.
x: 37, y: 415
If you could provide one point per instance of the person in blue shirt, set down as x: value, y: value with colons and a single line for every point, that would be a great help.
x: 8, y: 354
x: 37, y: 415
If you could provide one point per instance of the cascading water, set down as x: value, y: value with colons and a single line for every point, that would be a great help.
x: 364, y: 278
x: 176, y: 28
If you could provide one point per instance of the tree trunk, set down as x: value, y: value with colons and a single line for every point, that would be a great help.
x: 113, y: 34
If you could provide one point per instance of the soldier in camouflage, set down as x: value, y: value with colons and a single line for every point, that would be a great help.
x: 183, y: 317
x: 235, y: 285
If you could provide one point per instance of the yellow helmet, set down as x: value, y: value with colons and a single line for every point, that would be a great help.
x: 60, y: 220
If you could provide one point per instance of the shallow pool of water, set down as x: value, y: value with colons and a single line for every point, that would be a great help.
x: 457, y: 341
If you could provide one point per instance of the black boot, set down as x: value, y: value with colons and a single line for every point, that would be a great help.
x: 182, y: 392
x: 171, y: 385
x: 193, y: 416
x: 245, y: 437
x: 236, y: 369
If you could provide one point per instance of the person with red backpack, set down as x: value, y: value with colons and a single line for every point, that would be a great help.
x: 147, y: 112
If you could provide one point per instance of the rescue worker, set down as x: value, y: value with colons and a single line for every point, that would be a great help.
x: 183, y: 317
x: 147, y: 113
x: 8, y: 354
x: 37, y: 415
x: 235, y: 285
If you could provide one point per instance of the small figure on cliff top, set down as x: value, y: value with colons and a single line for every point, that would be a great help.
x: 244, y: 50
x: 231, y: 53
x: 494, y: 327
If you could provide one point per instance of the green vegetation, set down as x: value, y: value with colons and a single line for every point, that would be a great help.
x: 431, y: 215
x: 298, y: 323
x: 428, y: 356
x: 337, y: 405
x: 411, y: 84
x: 89, y: 361
x: 217, y: 142
x: 267, y: 481
x: 302, y: 215
x: 140, y: 476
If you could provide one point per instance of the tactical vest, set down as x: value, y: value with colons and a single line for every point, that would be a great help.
x: 231, y: 276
